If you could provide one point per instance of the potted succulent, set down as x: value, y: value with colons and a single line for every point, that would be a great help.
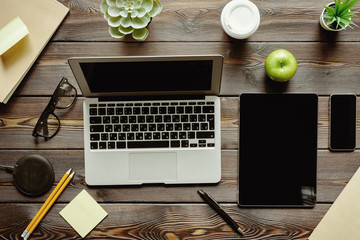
x: 336, y: 16
x: 129, y: 17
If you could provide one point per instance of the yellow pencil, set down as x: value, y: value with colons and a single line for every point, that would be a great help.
x: 51, y: 203
x: 46, y: 202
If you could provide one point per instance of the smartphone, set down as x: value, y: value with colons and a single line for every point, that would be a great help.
x: 342, y: 122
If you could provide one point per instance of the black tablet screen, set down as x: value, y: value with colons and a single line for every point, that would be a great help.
x: 278, y: 150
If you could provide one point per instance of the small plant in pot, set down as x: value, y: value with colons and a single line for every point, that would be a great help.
x: 129, y: 17
x: 336, y: 16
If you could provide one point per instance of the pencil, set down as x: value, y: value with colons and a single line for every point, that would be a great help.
x: 51, y: 203
x: 46, y: 203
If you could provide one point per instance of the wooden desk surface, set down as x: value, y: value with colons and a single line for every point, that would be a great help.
x: 327, y: 63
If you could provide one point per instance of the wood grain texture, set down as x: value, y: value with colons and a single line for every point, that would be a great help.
x: 187, y: 20
x: 167, y: 221
x: 323, y: 68
x: 327, y: 63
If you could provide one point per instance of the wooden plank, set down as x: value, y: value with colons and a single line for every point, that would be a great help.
x: 21, y: 114
x: 187, y: 20
x: 319, y: 70
x: 334, y: 171
x: 163, y: 221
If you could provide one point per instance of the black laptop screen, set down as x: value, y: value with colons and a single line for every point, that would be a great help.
x: 148, y: 76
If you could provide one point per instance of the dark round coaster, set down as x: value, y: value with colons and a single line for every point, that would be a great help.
x: 33, y: 175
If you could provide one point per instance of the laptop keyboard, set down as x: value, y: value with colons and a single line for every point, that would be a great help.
x: 173, y: 124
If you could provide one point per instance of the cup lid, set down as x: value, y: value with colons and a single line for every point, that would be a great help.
x: 240, y: 18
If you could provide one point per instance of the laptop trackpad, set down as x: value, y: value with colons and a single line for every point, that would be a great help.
x: 155, y: 167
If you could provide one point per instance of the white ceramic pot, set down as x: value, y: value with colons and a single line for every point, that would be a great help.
x: 323, y: 21
x: 240, y: 19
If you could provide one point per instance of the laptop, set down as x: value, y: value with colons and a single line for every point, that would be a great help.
x: 151, y: 119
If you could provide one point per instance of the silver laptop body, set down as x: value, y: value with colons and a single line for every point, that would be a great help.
x: 151, y: 119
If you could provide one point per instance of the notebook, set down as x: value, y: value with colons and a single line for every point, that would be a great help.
x: 343, y: 218
x: 41, y: 18
x: 151, y: 119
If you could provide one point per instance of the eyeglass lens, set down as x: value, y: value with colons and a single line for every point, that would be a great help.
x: 48, y: 126
x: 65, y: 95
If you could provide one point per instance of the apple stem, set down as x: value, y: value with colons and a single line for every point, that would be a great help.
x: 281, y: 64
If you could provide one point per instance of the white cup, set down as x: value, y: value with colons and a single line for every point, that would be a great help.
x: 240, y: 19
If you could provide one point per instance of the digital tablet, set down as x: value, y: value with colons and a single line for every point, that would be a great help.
x: 277, y: 150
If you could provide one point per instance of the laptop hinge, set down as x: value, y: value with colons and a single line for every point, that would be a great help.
x: 153, y: 97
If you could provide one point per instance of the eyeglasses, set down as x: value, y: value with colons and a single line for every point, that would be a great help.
x: 63, y: 97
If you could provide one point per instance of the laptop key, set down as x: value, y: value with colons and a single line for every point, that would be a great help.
x: 104, y: 136
x: 145, y: 110
x: 108, y: 128
x: 141, y: 119
x: 127, y: 111
x: 95, y: 120
x: 132, y: 119
x: 126, y: 128
x: 102, y: 111
x: 201, y: 118
x: 96, y: 128
x: 113, y: 136
x: 164, y: 135
x: 136, y: 110
x: 102, y: 145
x: 134, y: 127
x: 122, y: 136
x: 152, y: 127
x: 106, y: 119
x: 162, y: 110
x: 111, y: 145
x: 143, y: 127
x: 114, y: 119
x: 120, y: 144
x: 174, y: 135
x: 171, y: 110
x: 204, y: 126
x: 184, y: 143
x: 148, y: 144
x: 207, y: 134
x: 123, y: 119
x: 208, y: 109
x: 167, y: 118
x: 119, y: 111
x: 93, y: 145
x: 130, y: 136
x: 148, y: 136
x: 117, y: 128
x: 139, y: 136
x: 110, y: 111
x: 175, y: 143
x: 93, y: 111
x: 156, y: 135
x: 95, y: 137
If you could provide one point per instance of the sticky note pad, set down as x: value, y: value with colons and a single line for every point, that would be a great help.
x: 83, y: 213
x: 12, y: 33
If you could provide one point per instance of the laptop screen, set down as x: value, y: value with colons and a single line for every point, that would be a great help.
x: 148, y: 76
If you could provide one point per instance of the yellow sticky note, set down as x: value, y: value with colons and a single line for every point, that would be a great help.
x: 12, y: 33
x: 83, y: 213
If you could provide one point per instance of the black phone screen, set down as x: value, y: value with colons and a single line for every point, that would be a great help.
x: 342, y: 122
x: 278, y: 150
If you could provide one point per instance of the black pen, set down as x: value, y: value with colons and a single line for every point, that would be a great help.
x: 209, y: 200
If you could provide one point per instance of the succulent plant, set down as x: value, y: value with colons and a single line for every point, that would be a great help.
x: 340, y: 13
x: 129, y: 17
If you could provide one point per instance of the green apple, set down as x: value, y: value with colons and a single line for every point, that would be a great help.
x: 280, y: 65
